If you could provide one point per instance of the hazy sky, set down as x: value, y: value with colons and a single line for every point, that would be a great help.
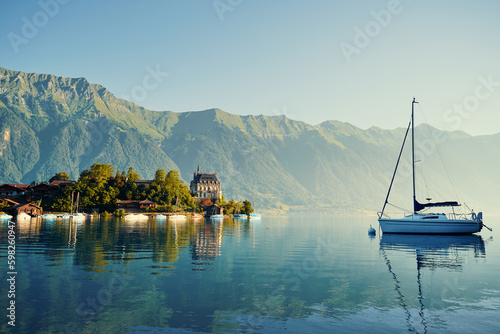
x: 313, y: 60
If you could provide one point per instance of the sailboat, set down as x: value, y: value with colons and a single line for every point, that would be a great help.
x: 253, y: 215
x: 78, y: 217
x: 176, y: 216
x: 4, y: 216
x: 239, y: 215
x: 419, y: 222
x: 67, y: 216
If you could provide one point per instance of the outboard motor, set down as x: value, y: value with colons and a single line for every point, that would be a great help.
x: 479, y: 219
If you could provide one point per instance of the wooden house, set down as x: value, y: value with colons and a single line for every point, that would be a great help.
x: 41, y: 190
x: 143, y: 182
x: 13, y: 189
x: 135, y: 204
x: 61, y: 183
x: 28, y: 208
x: 214, y: 209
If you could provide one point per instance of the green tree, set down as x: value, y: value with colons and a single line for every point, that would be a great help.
x: 119, y: 181
x: 98, y: 171
x: 131, y: 176
x: 247, y: 207
x: 159, y: 177
x: 61, y: 176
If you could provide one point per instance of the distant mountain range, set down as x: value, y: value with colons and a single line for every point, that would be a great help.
x: 50, y: 124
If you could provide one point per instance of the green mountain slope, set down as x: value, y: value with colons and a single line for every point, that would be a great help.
x: 50, y: 124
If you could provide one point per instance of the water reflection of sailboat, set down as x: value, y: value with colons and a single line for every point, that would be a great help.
x: 431, y: 251
x: 72, y: 235
x: 435, y: 250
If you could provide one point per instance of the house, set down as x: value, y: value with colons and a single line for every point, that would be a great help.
x: 206, y: 185
x: 12, y: 189
x: 41, y: 190
x: 143, y: 182
x: 135, y: 204
x: 28, y: 208
x: 214, y: 209
x: 62, y: 183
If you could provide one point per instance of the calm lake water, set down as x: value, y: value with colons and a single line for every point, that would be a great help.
x: 280, y: 275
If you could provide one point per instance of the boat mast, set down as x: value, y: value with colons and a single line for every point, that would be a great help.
x: 413, y: 152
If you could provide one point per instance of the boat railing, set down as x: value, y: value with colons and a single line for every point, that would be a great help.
x: 385, y: 215
x: 458, y: 216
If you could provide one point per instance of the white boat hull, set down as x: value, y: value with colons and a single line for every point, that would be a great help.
x: 434, y: 226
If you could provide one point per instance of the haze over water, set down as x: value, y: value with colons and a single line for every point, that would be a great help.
x: 281, y: 275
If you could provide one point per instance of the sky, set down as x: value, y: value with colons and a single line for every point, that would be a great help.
x: 355, y: 61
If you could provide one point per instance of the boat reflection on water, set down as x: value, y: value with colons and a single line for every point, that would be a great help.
x: 435, y: 250
x: 432, y: 252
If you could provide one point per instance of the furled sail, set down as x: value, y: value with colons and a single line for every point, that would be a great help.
x: 419, y: 206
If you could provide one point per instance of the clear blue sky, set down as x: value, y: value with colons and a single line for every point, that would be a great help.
x: 312, y: 60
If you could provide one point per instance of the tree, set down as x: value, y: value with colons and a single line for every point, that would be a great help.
x: 62, y: 176
x: 119, y: 181
x: 131, y: 176
x: 247, y: 207
x: 159, y: 177
x: 98, y: 171
x: 172, y: 179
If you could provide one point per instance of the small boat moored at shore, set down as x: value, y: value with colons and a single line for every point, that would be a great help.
x: 49, y: 216
x: 78, y: 217
x: 5, y: 216
x: 196, y: 216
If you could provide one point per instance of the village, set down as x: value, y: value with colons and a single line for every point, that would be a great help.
x: 121, y: 194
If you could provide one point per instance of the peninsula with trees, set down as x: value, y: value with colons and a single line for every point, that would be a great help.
x: 102, y: 189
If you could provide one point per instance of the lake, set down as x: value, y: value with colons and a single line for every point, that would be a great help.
x: 319, y: 274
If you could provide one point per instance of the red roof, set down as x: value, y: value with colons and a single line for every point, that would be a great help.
x: 61, y: 182
x: 20, y: 186
x: 15, y: 187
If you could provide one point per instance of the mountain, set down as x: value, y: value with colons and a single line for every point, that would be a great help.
x: 50, y: 124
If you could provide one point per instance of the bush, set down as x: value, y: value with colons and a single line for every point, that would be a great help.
x: 119, y: 213
x: 105, y: 214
